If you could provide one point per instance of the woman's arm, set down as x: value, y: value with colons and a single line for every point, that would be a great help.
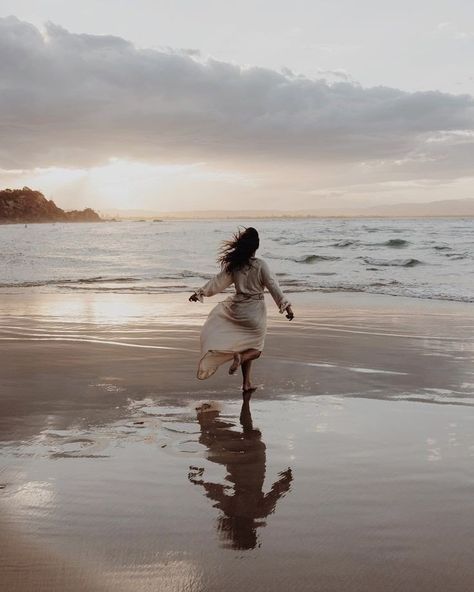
x: 217, y: 284
x: 271, y: 283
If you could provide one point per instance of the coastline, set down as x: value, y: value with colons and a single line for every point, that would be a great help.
x: 426, y: 260
x: 358, y: 448
x: 35, y: 222
x: 342, y: 343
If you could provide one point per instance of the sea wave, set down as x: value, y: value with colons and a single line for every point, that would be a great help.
x: 292, y: 241
x: 389, y: 288
x: 345, y: 243
x: 185, y: 274
x: 64, y: 281
x: 315, y: 258
x: 321, y: 282
x: 456, y: 256
x: 307, y: 255
x: 396, y: 243
x: 145, y: 289
x: 410, y: 262
x: 304, y: 259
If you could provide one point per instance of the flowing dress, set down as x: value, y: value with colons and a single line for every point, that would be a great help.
x: 239, y: 322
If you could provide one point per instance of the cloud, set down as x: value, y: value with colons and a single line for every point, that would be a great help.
x: 76, y: 100
x: 338, y: 73
x: 335, y: 48
x: 451, y: 31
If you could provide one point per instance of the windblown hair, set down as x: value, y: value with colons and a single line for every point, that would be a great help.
x: 236, y: 253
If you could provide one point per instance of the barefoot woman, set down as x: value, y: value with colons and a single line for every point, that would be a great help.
x: 235, y: 328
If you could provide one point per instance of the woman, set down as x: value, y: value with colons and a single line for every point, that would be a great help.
x: 235, y: 328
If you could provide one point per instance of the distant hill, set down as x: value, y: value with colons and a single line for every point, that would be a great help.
x: 28, y: 206
x: 442, y: 208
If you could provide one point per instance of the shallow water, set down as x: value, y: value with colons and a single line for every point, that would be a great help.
x: 424, y: 258
x: 351, y: 471
x: 326, y: 491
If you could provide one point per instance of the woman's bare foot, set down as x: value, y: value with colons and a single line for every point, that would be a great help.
x: 235, y: 364
x: 248, y: 388
x: 247, y: 394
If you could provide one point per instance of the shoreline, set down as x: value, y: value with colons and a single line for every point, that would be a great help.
x: 119, y: 470
x: 359, y: 345
x: 64, y: 288
x: 426, y: 260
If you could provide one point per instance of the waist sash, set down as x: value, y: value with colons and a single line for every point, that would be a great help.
x: 241, y: 297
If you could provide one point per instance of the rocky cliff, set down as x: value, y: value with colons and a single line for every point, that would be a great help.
x: 28, y: 206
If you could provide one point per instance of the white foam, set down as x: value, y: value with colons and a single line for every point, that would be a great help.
x: 350, y: 368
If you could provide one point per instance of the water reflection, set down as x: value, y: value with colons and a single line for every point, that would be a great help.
x: 243, y: 505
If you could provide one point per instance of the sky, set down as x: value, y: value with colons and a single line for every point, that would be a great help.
x: 184, y: 105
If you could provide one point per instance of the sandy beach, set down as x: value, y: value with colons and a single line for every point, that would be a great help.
x: 351, y: 470
x: 311, y: 164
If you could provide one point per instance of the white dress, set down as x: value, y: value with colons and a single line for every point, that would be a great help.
x: 239, y: 322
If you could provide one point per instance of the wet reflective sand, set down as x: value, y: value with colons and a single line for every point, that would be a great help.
x: 351, y: 469
x: 242, y: 504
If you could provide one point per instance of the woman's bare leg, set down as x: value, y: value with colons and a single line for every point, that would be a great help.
x: 235, y: 363
x: 246, y: 382
x: 246, y: 361
x: 240, y: 358
x: 249, y: 354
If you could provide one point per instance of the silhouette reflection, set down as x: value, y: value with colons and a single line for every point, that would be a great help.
x: 242, y: 502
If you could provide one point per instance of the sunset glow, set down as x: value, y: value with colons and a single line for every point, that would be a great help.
x: 107, y: 115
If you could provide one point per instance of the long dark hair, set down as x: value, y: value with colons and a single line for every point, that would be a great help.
x: 236, y: 253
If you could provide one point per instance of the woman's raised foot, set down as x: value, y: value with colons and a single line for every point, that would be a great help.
x: 235, y: 364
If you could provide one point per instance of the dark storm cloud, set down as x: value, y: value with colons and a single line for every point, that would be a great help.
x: 68, y: 99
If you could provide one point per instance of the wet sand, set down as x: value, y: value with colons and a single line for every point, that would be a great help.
x: 352, y: 468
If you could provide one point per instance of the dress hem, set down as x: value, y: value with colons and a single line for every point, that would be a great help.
x: 229, y: 354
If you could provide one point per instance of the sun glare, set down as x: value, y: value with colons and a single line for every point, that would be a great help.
x: 122, y: 184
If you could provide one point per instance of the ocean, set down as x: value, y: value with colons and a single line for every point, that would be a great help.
x: 422, y: 258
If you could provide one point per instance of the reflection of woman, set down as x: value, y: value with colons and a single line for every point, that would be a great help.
x: 235, y: 328
x: 243, y: 504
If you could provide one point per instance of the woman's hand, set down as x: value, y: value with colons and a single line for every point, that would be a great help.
x: 289, y: 313
x: 193, y: 297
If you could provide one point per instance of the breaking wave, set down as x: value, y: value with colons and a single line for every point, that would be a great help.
x: 455, y: 256
x: 307, y: 255
x: 66, y: 282
x: 316, y: 258
x: 345, y: 243
x: 411, y: 262
x: 396, y: 243
x: 305, y: 259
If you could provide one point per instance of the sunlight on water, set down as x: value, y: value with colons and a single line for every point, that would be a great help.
x: 256, y: 487
x: 423, y: 258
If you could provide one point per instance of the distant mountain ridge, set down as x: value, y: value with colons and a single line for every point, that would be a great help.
x: 18, y: 206
x: 434, y: 209
x: 441, y: 208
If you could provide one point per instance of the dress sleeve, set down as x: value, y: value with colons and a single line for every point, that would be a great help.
x: 217, y: 284
x: 271, y: 283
